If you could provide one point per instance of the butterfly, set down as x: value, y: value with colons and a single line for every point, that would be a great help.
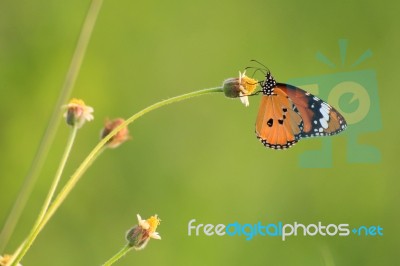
x: 288, y: 113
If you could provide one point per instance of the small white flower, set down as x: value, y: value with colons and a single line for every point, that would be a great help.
x: 78, y: 113
x: 150, y: 225
x: 139, y: 235
x: 243, y: 92
x: 241, y: 87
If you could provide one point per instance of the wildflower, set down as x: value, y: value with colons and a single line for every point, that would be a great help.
x: 140, y: 234
x: 6, y: 259
x: 78, y: 113
x: 240, y: 87
x: 120, y: 137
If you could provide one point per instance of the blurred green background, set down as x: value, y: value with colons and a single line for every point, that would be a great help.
x: 197, y: 159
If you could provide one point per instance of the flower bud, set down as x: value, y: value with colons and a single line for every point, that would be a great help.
x: 239, y: 87
x: 231, y: 87
x: 77, y: 113
x: 139, y: 235
x: 120, y: 137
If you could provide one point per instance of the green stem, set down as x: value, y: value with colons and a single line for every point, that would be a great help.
x: 88, y: 161
x: 50, y: 132
x: 56, y: 180
x: 57, y: 177
x: 117, y: 256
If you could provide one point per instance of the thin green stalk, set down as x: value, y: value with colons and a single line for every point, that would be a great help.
x: 90, y: 158
x: 59, y: 172
x: 51, y: 129
x: 117, y: 256
x: 37, y: 228
x: 56, y: 180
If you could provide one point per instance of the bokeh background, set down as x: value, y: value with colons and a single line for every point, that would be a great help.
x: 197, y: 159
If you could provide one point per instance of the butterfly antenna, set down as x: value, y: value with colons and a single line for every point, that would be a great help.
x: 256, y: 69
x: 258, y: 62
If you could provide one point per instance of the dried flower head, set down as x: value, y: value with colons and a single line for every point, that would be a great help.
x: 240, y: 87
x: 120, y: 137
x: 78, y: 113
x: 6, y: 259
x: 139, y: 235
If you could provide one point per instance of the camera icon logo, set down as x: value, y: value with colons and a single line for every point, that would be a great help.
x: 355, y: 95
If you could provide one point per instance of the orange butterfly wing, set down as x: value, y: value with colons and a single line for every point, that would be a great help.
x: 288, y: 113
x: 278, y: 124
x: 319, y: 118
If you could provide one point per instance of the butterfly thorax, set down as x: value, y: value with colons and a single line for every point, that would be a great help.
x: 268, y: 85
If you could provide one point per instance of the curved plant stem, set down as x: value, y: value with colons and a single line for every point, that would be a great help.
x: 89, y: 159
x: 117, y: 256
x: 50, y: 132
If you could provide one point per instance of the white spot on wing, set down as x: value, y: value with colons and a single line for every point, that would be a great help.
x: 324, y: 104
x: 323, y: 123
x: 325, y: 110
x: 325, y: 115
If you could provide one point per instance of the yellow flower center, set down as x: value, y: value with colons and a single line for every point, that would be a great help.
x: 249, y: 84
x: 153, y: 222
x: 77, y: 102
x: 4, y: 260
